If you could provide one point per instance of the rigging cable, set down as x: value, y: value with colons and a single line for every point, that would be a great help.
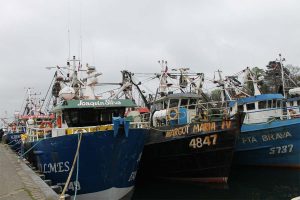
x: 49, y: 88
x: 23, y: 101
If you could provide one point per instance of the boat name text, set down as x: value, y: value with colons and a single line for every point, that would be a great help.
x: 15, y: 137
x: 58, y: 167
x: 196, y: 128
x: 266, y: 137
x: 99, y: 103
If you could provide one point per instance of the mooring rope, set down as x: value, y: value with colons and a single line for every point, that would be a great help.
x: 62, y: 195
x: 10, y: 142
x: 77, y: 172
x: 21, y: 156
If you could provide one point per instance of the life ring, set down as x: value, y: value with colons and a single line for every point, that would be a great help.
x: 80, y: 131
x: 173, y: 113
x: 46, y: 125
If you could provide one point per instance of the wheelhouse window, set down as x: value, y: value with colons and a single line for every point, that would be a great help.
x: 274, y: 103
x: 91, y: 116
x: 262, y: 104
x: 250, y: 106
x: 278, y: 104
x: 174, y: 103
x: 269, y: 103
x: 71, y: 116
x: 88, y: 117
x: 298, y: 103
x: 241, y: 108
x: 192, y: 103
x: 282, y: 104
x: 184, y: 102
x: 165, y: 104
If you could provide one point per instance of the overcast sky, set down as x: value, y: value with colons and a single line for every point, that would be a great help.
x: 135, y: 34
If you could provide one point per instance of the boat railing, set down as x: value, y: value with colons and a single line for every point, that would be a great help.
x: 139, y: 124
x: 202, y: 111
x: 140, y: 121
x: 250, y: 119
x: 35, y: 134
x: 88, y: 129
x: 271, y: 114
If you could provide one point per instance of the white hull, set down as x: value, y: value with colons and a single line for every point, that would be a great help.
x: 109, y: 194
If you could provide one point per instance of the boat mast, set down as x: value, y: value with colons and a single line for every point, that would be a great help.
x: 282, y: 74
x: 222, y: 83
x: 254, y: 81
x: 163, y: 87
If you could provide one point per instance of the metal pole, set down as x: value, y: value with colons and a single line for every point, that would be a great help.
x: 282, y: 76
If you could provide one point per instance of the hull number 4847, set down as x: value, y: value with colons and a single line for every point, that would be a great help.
x: 199, y: 142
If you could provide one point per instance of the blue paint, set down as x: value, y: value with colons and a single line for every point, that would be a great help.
x: 106, y: 160
x: 117, y: 121
x: 262, y: 97
x: 274, y: 143
x: 182, y: 119
x: 255, y: 143
x: 13, y: 139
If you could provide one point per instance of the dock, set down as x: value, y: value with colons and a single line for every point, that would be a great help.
x: 20, y: 182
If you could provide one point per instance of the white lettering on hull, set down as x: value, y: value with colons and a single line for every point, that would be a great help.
x: 266, y: 137
x: 58, y: 167
x: 99, y: 103
x: 275, y: 136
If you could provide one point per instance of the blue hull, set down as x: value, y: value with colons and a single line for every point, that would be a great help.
x: 13, y: 139
x: 269, y: 144
x: 105, y: 162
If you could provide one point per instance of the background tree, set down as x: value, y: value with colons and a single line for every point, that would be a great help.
x: 215, y: 95
x: 258, y: 75
x: 273, y: 77
x: 294, y: 74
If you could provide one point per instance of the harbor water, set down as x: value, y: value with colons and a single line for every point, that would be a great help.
x: 244, y: 183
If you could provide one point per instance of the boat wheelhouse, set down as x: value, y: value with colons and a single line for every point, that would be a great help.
x: 87, y: 115
x: 261, y: 108
x: 181, y: 107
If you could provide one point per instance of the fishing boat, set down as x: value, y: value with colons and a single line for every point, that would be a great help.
x: 270, y: 136
x: 190, y: 139
x: 30, y: 117
x: 94, y: 150
x: 270, y: 133
x: 12, y: 132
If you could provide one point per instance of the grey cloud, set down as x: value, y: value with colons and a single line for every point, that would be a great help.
x: 203, y: 35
